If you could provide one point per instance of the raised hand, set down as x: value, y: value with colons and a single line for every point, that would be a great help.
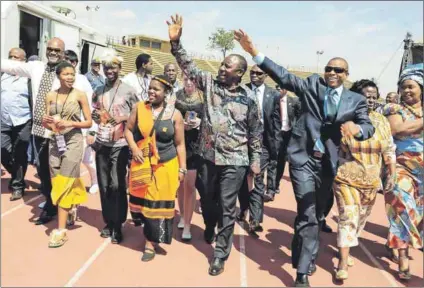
x: 175, y: 28
x: 245, y: 42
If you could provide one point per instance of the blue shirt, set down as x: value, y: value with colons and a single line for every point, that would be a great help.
x: 15, y: 105
x: 95, y: 80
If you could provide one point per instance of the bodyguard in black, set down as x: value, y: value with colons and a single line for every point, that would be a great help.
x: 269, y: 104
x: 328, y: 112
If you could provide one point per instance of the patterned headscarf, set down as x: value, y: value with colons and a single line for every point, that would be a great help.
x: 412, y: 72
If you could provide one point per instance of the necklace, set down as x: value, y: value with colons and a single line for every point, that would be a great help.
x: 413, y: 111
x: 156, y: 112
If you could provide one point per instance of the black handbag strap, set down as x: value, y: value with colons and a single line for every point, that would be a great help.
x: 157, y: 120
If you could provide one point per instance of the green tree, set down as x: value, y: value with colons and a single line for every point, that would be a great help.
x: 222, y: 40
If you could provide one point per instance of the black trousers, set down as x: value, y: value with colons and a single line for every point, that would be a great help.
x: 312, y: 188
x: 111, y: 164
x: 43, y: 171
x: 14, y: 145
x: 254, y: 200
x: 282, y: 154
x: 218, y: 187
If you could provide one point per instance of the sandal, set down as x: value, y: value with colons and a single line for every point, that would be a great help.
x: 404, y: 274
x: 342, y: 274
x: 148, y: 254
x: 350, y: 261
x: 57, y: 238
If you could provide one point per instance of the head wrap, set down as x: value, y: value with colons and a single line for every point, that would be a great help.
x: 412, y: 72
x: 111, y: 58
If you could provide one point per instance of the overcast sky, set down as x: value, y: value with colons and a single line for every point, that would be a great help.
x: 367, y: 34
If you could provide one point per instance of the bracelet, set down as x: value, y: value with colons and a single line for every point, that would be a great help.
x: 91, y: 133
x: 182, y: 170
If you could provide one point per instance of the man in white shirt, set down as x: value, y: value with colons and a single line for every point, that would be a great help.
x: 269, y: 105
x: 290, y: 111
x: 140, y: 80
x: 89, y: 155
x: 43, y: 80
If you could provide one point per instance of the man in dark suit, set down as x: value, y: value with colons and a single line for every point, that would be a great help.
x: 290, y: 110
x: 328, y: 112
x: 268, y: 100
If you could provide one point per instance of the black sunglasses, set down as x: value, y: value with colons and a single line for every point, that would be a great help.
x: 338, y: 70
x: 257, y: 73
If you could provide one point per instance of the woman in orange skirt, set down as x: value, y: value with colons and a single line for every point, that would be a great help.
x: 155, y: 135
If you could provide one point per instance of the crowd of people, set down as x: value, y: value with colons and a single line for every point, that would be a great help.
x: 165, y: 140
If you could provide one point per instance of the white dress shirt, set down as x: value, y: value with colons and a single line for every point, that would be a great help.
x: 285, y: 123
x: 259, y: 92
x: 35, y: 70
x: 140, y: 85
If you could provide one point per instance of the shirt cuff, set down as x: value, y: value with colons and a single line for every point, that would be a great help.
x: 360, y: 134
x: 259, y: 59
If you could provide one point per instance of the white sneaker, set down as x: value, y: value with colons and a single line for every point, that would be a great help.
x: 41, y: 205
x: 94, y: 189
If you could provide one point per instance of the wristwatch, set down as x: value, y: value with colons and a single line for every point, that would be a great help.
x: 182, y: 170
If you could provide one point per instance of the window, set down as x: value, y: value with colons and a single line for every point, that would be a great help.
x: 144, y: 43
x: 132, y: 42
x: 156, y: 45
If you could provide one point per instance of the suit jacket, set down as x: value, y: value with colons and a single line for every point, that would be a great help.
x: 272, y: 119
x: 311, y: 124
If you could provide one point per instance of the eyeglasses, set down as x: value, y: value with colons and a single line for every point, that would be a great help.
x: 338, y: 70
x: 57, y: 50
x: 257, y: 73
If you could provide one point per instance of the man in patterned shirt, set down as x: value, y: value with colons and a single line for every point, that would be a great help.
x: 230, y: 142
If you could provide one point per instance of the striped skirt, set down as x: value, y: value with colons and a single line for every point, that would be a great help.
x: 154, y: 203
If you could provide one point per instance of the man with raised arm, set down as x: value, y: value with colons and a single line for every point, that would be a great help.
x: 329, y: 111
x: 230, y: 142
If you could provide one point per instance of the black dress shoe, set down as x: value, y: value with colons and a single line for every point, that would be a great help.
x: 268, y: 197
x: 216, y: 267
x: 16, y: 195
x: 209, y: 235
x: 301, y: 280
x: 312, y: 269
x: 116, y: 236
x: 254, y: 226
x: 106, y: 232
x: 44, y: 218
x: 325, y: 228
x: 241, y: 216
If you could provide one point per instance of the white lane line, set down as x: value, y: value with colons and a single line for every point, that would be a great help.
x: 21, y: 205
x: 374, y: 261
x: 88, y: 263
x: 243, y: 265
x: 28, y: 202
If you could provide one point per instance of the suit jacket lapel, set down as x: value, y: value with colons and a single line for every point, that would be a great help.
x: 345, y: 103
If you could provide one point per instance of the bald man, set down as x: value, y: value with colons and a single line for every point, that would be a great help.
x: 328, y: 111
x: 43, y: 77
x: 15, y: 126
x: 392, y: 97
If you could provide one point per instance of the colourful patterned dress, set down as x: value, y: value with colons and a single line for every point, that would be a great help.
x: 404, y: 205
x: 358, y: 178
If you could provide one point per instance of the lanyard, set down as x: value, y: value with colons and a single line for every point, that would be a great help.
x: 143, y: 87
x: 113, y: 98
x: 64, y: 103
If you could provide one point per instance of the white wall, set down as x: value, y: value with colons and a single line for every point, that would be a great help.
x: 9, y: 27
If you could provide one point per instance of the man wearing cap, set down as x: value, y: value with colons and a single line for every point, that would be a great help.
x: 94, y: 76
